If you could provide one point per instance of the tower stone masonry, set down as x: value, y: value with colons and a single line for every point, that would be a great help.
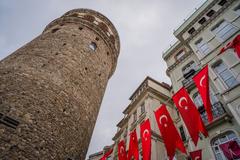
x: 51, y: 89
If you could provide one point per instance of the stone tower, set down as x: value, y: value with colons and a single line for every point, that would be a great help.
x: 51, y: 88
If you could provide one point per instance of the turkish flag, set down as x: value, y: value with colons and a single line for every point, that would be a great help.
x: 202, y: 82
x: 190, y: 114
x: 133, y: 146
x: 235, y: 44
x: 145, y: 130
x: 231, y: 150
x: 196, y: 155
x: 108, y: 153
x: 122, y: 155
x: 169, y: 132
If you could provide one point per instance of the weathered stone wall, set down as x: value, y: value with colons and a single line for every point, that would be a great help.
x: 51, y: 88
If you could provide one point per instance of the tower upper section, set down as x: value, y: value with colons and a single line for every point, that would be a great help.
x: 96, y: 22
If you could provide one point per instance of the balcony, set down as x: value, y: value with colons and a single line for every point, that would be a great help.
x: 188, y: 78
x: 217, y: 110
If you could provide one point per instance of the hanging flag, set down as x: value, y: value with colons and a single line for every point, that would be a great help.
x: 190, y: 114
x: 231, y: 150
x: 145, y: 130
x: 133, y: 146
x: 169, y: 132
x: 235, y: 44
x: 122, y: 155
x: 202, y: 82
x: 107, y: 154
x: 196, y: 155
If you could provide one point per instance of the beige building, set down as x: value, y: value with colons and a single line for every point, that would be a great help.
x: 199, y: 41
x: 100, y: 154
x: 146, y: 99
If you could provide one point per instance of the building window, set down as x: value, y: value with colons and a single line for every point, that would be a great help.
x: 222, y: 2
x: 202, y: 20
x: 228, y: 136
x: 134, y: 116
x: 191, y: 31
x: 224, y: 30
x: 211, y: 13
x: 190, y: 67
x: 237, y: 9
x: 182, y: 132
x: 202, y: 47
x: 225, y: 74
x: 142, y: 108
x: 180, y: 54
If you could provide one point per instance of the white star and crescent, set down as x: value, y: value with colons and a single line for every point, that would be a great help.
x: 163, y: 117
x: 197, y: 158
x: 180, y: 102
x: 201, y: 81
x: 145, y: 132
x: 122, y: 150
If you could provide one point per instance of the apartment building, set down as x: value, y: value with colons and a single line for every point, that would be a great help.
x: 200, y: 39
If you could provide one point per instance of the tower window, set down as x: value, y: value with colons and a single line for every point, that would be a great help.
x: 93, y: 46
x: 211, y: 13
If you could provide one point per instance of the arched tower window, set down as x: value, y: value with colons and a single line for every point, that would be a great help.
x: 221, y: 139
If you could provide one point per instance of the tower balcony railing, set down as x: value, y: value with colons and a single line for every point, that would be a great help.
x: 217, y: 110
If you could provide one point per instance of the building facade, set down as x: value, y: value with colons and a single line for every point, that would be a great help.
x: 100, y: 154
x: 144, y: 101
x: 199, y: 41
x: 51, y: 88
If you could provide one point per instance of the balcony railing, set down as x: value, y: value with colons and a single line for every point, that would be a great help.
x: 217, y: 110
x: 188, y: 77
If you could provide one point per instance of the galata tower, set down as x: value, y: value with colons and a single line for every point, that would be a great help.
x: 51, y: 88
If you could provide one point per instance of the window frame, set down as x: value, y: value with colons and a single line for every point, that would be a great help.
x: 237, y: 9
x: 216, y: 142
x: 200, y: 44
x: 180, y: 52
x: 221, y: 77
x: 218, y: 32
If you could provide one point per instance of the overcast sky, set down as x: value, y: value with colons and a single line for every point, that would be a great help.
x: 145, y: 28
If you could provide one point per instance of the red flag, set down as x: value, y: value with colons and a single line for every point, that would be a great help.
x: 108, y: 153
x: 202, y: 82
x: 122, y: 155
x: 190, y: 114
x: 231, y: 150
x: 145, y: 130
x: 196, y: 155
x: 169, y: 132
x: 235, y: 44
x: 133, y: 146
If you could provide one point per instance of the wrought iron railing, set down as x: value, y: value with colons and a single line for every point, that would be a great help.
x: 217, y: 110
x: 188, y: 77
